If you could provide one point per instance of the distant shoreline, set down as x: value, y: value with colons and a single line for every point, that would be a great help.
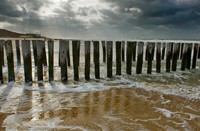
x: 6, y: 34
x: 11, y: 34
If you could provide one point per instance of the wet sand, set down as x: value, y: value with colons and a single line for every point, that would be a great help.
x: 114, y: 109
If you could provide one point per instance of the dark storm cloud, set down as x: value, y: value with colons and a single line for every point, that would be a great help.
x: 20, y: 11
x: 169, y: 13
x: 8, y: 9
x: 21, y: 8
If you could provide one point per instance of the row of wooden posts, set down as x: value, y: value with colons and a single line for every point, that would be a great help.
x: 173, y: 52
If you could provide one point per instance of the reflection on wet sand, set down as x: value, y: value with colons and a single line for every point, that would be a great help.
x: 3, y: 97
x: 25, y: 102
x: 113, y: 109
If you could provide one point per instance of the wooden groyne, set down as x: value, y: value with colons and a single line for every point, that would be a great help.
x: 126, y: 53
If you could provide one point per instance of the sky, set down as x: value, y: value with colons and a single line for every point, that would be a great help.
x: 103, y: 19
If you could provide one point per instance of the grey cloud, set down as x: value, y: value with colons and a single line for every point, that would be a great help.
x: 162, y: 12
x: 8, y: 9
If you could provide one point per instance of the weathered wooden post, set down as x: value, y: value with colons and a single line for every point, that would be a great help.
x: 59, y: 53
x: 158, y: 57
x: 149, y: 57
x: 129, y: 55
x: 18, y: 52
x: 123, y: 51
x: 163, y: 50
x: 184, y: 56
x: 34, y: 45
x: 1, y: 61
x: 140, y: 58
x: 10, y: 61
x: 51, y: 59
x: 182, y: 45
x: 179, y: 50
x: 44, y: 57
x: 172, y: 46
x: 153, y: 50
x: 168, y: 57
x: 134, y: 49
x: 63, y: 60
x: 40, y: 46
x: 68, y: 54
x: 152, y: 44
x: 87, y: 60
x: 3, y: 54
x: 109, y: 58
x: 79, y: 49
x: 27, y: 60
x: 189, y: 55
x: 104, y: 51
x: 199, y: 52
x: 118, y: 57
x: 96, y: 59
x: 175, y: 56
x: 194, y: 60
x: 76, y: 53
x: 146, y: 51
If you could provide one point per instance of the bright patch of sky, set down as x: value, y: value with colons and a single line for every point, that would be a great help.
x: 5, y: 25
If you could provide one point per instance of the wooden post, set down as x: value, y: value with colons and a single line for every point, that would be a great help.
x: 163, y: 51
x: 40, y: 46
x: 140, y: 58
x: 109, y: 58
x: 63, y: 60
x: 153, y: 50
x: 146, y: 52
x: 149, y: 58
x: 76, y: 52
x: 87, y: 60
x: 123, y: 51
x: 118, y: 57
x: 182, y: 45
x: 158, y: 57
x: 10, y: 61
x: 79, y: 47
x: 3, y: 53
x: 199, y: 52
x: 134, y: 50
x: 51, y: 59
x: 27, y: 60
x: 68, y: 54
x: 184, y: 56
x: 172, y: 46
x: 179, y: 50
x: 104, y: 51
x: 18, y: 52
x: 96, y: 59
x: 129, y: 55
x: 1, y: 61
x: 189, y: 55
x: 168, y: 57
x: 152, y: 44
x: 59, y: 52
x: 44, y: 57
x: 194, y: 60
x: 34, y: 45
x: 175, y: 56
